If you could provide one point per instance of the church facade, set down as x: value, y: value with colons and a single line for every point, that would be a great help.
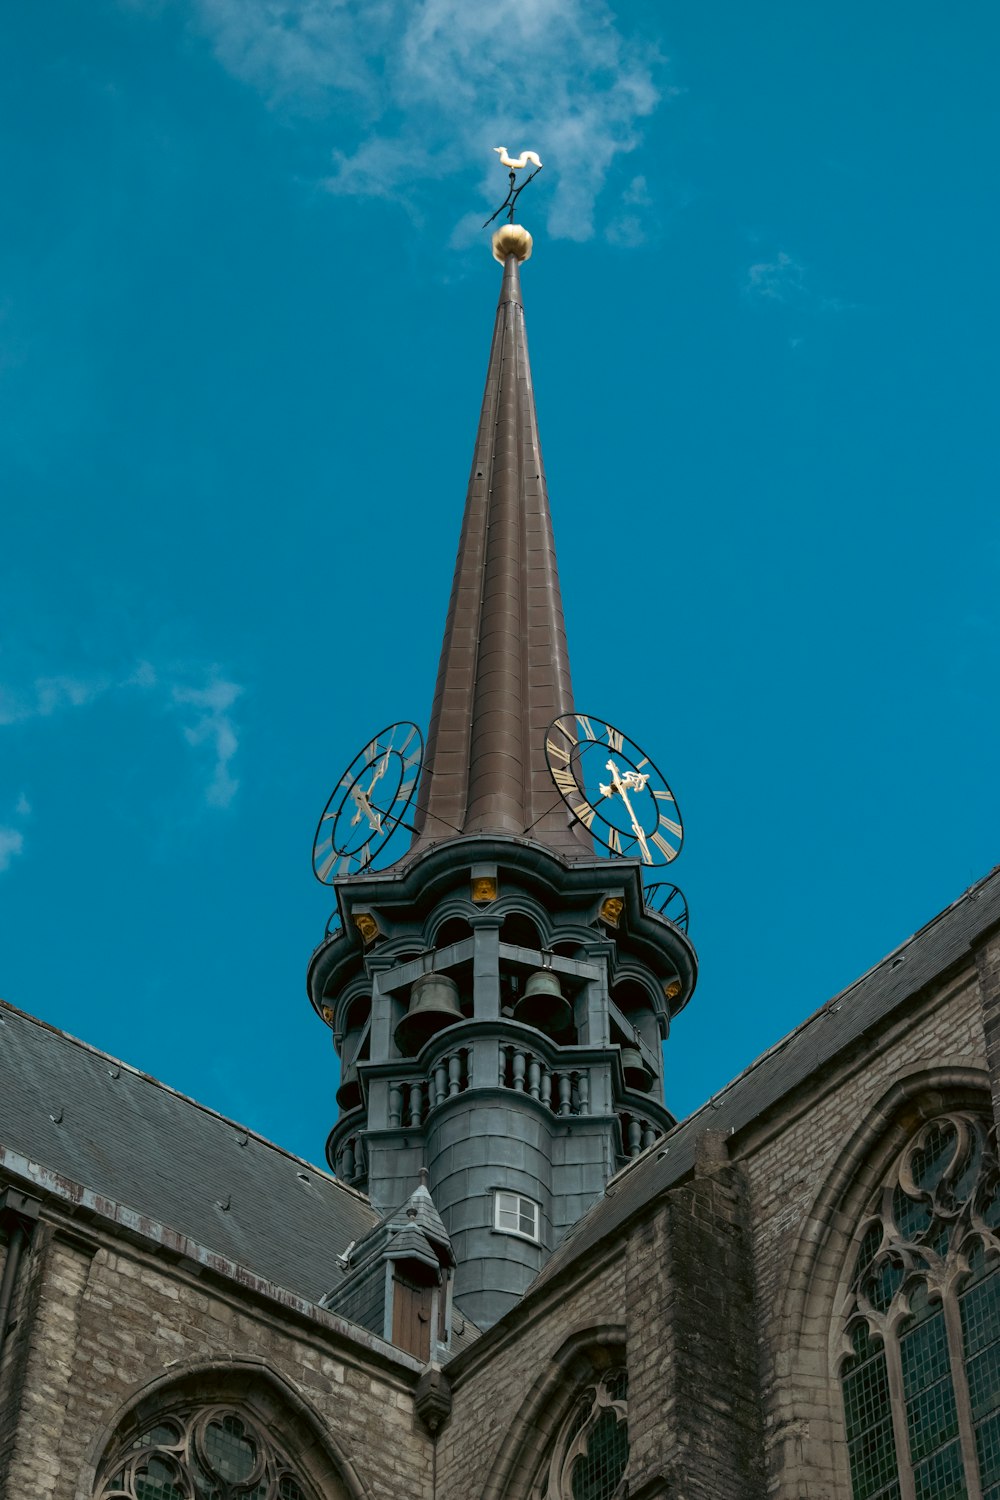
x: 524, y: 1279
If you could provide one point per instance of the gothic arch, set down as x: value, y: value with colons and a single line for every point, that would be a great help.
x: 251, y: 1384
x: 832, y: 1221
x: 586, y: 1353
x: 810, y: 1388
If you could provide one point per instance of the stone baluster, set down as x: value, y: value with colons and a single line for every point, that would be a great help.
x: 455, y: 1072
x: 583, y: 1092
x: 535, y: 1078
x: 634, y: 1136
x: 546, y: 1087
x: 504, y: 1065
x: 648, y: 1134
x: 565, y: 1093
x: 518, y: 1070
x: 416, y: 1102
x: 395, y: 1105
x: 441, y: 1079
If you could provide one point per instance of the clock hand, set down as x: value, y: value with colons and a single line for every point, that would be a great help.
x: 618, y: 784
x: 380, y: 771
x: 364, y: 806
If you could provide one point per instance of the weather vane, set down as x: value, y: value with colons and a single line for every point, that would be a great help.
x: 515, y: 163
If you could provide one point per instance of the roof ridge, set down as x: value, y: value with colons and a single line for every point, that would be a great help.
x: 789, y: 1036
x: 263, y: 1140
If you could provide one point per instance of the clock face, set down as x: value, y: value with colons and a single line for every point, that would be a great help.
x: 613, y: 788
x: 669, y: 901
x: 368, y: 803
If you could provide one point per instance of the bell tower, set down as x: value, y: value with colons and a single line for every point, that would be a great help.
x: 498, y: 995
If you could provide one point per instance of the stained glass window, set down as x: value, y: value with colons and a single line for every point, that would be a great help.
x: 589, y: 1457
x: 921, y: 1383
x: 201, y: 1454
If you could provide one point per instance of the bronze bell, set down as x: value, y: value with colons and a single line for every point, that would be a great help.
x: 349, y: 1092
x: 433, y: 1006
x: 543, y: 1003
x: 637, y: 1075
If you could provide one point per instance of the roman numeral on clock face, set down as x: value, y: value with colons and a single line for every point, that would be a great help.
x: 565, y: 781
x: 661, y: 844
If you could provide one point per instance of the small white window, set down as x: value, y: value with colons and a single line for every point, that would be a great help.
x: 516, y: 1215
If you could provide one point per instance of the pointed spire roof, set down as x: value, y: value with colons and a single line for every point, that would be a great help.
x: 504, y: 671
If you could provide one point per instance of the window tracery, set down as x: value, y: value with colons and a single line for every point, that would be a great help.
x: 921, y: 1377
x: 214, y: 1453
x: 590, y: 1453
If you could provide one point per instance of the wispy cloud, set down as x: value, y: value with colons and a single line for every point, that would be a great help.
x: 782, y: 281
x: 12, y: 837
x: 47, y: 695
x: 419, y: 91
x: 11, y: 845
x: 779, y: 280
x: 202, y: 700
x: 215, y: 728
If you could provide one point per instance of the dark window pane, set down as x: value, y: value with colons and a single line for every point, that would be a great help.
x: 598, y: 1472
x: 882, y: 1283
x: 941, y: 1477
x: 968, y: 1171
x: 230, y: 1450
x: 873, y: 1460
x: 927, y: 1165
x: 869, y: 1249
x: 866, y: 1397
x: 923, y: 1352
x: 159, y: 1479
x: 983, y: 1371
x: 290, y: 1489
x: 988, y: 1448
x: 912, y: 1215
x: 931, y: 1419
x: 981, y: 1313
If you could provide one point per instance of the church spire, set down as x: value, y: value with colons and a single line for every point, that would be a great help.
x: 504, y: 670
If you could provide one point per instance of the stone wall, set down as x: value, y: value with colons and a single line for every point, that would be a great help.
x: 100, y: 1321
x: 674, y: 1298
x: 825, y: 1136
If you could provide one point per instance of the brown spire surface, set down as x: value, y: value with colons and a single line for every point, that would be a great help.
x: 504, y: 669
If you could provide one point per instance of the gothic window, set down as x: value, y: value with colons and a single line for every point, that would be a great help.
x: 202, y: 1454
x: 921, y: 1377
x: 590, y: 1453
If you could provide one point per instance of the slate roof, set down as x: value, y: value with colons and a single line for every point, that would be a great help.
x: 922, y: 960
x: 108, y: 1127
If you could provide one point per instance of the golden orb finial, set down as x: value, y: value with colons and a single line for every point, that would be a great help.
x: 511, y: 239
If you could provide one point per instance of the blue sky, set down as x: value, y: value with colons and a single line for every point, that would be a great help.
x: 244, y: 318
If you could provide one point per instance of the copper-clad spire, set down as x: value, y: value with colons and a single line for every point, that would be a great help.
x: 504, y: 669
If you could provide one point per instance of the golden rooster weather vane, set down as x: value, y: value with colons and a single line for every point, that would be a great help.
x: 515, y: 163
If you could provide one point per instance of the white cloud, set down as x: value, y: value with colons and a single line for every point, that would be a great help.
x: 47, y: 695
x: 204, y: 712
x: 214, y: 726
x: 11, y: 845
x: 421, y: 90
x: 779, y: 280
x: 783, y: 280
